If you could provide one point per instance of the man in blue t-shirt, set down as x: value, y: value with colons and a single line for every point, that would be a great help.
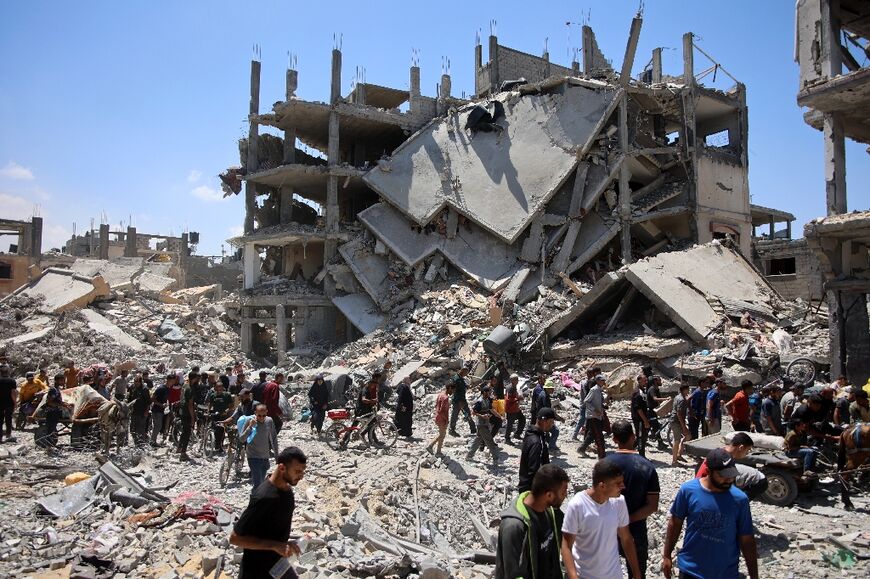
x: 714, y: 406
x: 718, y: 523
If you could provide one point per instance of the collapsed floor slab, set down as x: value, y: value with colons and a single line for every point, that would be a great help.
x: 498, y: 179
x: 101, y: 325
x: 63, y: 290
x: 361, y: 311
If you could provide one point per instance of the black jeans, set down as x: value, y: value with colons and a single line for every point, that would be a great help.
x: 52, y: 419
x: 456, y: 408
x: 279, y: 422
x: 317, y: 416
x: 6, y: 413
x: 642, y: 434
x: 184, y: 439
x: 641, y: 547
x: 219, y: 434
x: 694, y: 424
x: 520, y: 420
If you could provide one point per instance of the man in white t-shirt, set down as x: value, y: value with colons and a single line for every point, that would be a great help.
x: 593, y: 520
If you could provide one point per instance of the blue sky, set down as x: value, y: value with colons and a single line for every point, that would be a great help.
x: 131, y: 109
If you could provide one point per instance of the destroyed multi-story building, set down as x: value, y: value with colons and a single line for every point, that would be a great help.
x: 26, y: 251
x: 551, y: 176
x: 833, y: 37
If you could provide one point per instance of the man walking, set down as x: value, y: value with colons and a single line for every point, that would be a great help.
x: 738, y: 407
x: 528, y: 535
x: 640, y: 413
x: 263, y: 529
x: 641, y: 490
x: 679, y: 425
x: 714, y: 406
x: 159, y: 400
x: 698, y: 408
x: 220, y: 405
x: 594, y: 402
x: 594, y: 520
x: 186, y: 414
x: 442, y: 411
x: 718, y: 524
x: 536, y: 451
x: 8, y: 392
x: 482, y: 411
x: 513, y: 411
x: 771, y: 413
x: 262, y: 439
x: 460, y: 403
x: 120, y: 384
x: 139, y: 399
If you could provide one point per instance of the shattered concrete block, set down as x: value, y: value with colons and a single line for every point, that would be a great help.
x: 64, y: 290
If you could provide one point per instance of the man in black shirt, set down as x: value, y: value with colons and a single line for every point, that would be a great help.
x: 640, y: 413
x: 641, y: 490
x: 259, y: 387
x: 536, y: 450
x: 263, y: 530
x: 8, y: 393
x: 528, y: 535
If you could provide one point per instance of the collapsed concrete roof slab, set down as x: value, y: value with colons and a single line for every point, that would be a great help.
x: 361, y: 311
x: 485, y: 259
x: 63, y: 290
x: 149, y: 282
x: 681, y: 284
x: 119, y: 275
x: 371, y: 270
x: 101, y: 325
x: 595, y: 233
x: 500, y: 179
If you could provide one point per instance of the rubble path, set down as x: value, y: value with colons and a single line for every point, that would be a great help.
x: 459, y: 502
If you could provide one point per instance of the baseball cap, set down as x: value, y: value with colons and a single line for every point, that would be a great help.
x: 515, y: 376
x: 546, y: 413
x: 722, y: 462
x: 600, y: 377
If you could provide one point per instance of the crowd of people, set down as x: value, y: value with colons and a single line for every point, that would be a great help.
x: 537, y: 538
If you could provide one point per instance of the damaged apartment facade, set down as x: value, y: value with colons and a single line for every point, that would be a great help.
x: 20, y: 255
x: 833, y: 37
x: 551, y: 176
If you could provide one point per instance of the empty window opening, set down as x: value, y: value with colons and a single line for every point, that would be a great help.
x: 5, y: 270
x: 782, y: 266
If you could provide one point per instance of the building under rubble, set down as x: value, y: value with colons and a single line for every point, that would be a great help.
x: 550, y: 175
x: 833, y: 36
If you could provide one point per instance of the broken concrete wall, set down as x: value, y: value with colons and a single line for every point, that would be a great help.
x: 723, y: 201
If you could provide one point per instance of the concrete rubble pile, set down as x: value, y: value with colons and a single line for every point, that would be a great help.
x: 113, y: 325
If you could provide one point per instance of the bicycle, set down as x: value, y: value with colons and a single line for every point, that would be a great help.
x: 373, y: 430
x: 235, y: 457
x: 205, y: 432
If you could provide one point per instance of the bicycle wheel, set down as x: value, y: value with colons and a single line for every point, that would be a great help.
x: 801, y: 370
x: 207, y: 443
x: 227, y: 466
x: 384, y: 433
x: 333, y: 435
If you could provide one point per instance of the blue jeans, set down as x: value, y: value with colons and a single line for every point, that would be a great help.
x: 581, y: 421
x: 554, y: 434
x: 807, y: 454
x: 259, y: 470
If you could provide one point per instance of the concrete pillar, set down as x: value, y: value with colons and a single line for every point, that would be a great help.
x: 104, y: 241
x: 253, y: 137
x: 630, y: 50
x: 443, y: 93
x: 546, y: 70
x: 300, y: 326
x: 494, y: 80
x: 360, y: 96
x: 246, y: 334
x: 130, y: 248
x: 788, y: 229
x: 251, y: 264
x: 688, y: 59
x: 36, y: 238
x: 624, y: 190
x: 290, y: 133
x: 414, y: 90
x: 335, y: 88
x: 831, y: 58
x: 281, y: 331
x: 575, y: 67
x: 772, y: 227
x: 657, y: 65
x: 184, y: 251
x: 835, y: 165
x: 478, y: 56
x: 588, y: 43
